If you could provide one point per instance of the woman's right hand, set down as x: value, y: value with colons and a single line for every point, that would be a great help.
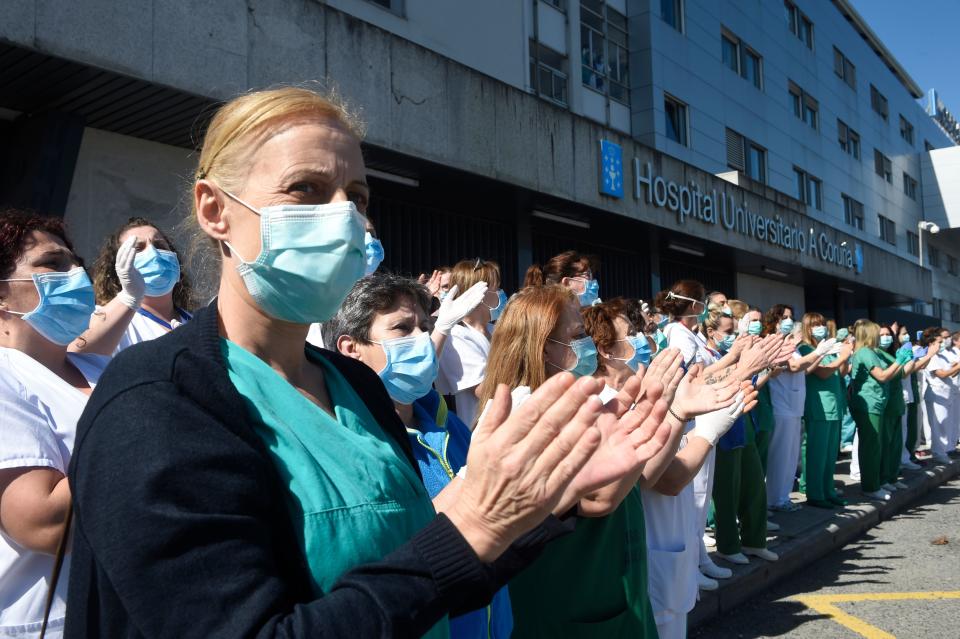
x: 521, y: 463
x: 132, y: 286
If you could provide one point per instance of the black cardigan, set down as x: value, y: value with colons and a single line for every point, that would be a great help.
x: 181, y: 526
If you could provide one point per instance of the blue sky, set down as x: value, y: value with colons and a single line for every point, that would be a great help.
x: 923, y: 37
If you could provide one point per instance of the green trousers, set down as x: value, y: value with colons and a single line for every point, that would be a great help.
x: 820, y: 457
x: 738, y: 491
x: 912, y: 430
x: 892, y: 442
x: 763, y: 445
x: 870, y: 451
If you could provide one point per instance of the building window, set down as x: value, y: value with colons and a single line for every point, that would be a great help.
x: 809, y: 189
x: 603, y: 49
x: 395, y: 6
x: 676, y: 119
x: 672, y: 13
x: 852, y: 212
x: 933, y: 253
x: 913, y: 243
x: 799, y: 24
x: 844, y: 68
x: 747, y: 156
x: 849, y: 139
x: 954, y: 312
x: 879, y: 102
x: 909, y: 186
x: 888, y: 230
x: 952, y: 267
x: 741, y: 59
x: 546, y: 73
x: 906, y: 130
x: 937, y: 304
x: 805, y: 106
x: 882, y: 166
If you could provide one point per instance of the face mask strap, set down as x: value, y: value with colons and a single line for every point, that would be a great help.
x: 239, y: 201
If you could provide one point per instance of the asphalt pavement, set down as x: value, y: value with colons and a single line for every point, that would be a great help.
x: 899, y: 579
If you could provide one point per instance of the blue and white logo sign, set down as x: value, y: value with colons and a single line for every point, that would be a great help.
x: 858, y: 258
x: 611, y: 169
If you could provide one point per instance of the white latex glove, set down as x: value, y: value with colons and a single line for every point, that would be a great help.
x: 824, y: 347
x: 132, y: 286
x: 835, y: 350
x: 453, y: 310
x: 644, y: 307
x: 713, y: 426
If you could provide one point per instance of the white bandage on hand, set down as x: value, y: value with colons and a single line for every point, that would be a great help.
x: 713, y: 426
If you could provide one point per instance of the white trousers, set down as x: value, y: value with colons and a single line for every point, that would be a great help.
x: 783, y: 458
x: 702, y: 493
x: 944, y: 425
x: 904, y: 453
x: 855, y: 458
x: 674, y: 628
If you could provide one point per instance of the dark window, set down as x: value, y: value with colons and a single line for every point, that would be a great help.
x: 888, y: 230
x: 844, y: 68
x: 804, y: 106
x: 676, y: 119
x: 799, y: 24
x: 741, y: 59
x: 882, y: 166
x: 909, y: 186
x: 603, y: 49
x: 952, y: 267
x: 809, y: 189
x: 746, y: 156
x: 906, y: 130
x: 913, y: 243
x: 954, y: 312
x: 934, y: 254
x: 852, y: 212
x: 879, y: 102
x: 546, y: 73
x: 672, y: 13
x: 849, y: 139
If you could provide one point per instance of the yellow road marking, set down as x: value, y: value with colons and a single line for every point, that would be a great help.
x: 824, y: 604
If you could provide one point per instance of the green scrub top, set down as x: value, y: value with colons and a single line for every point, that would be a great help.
x: 895, y: 403
x: 824, y: 400
x: 591, y: 583
x: 869, y: 395
x: 353, y: 496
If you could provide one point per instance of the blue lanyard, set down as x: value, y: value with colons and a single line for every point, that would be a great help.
x: 162, y: 322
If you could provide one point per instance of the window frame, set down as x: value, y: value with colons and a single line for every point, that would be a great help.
x: 848, y: 139
x: 799, y: 24
x: 906, y: 130
x: 603, y: 79
x: 888, y: 229
x: 537, y: 65
x: 852, y: 211
x: 803, y: 103
x: 882, y: 166
x: 879, y: 103
x: 847, y: 71
x: 741, y: 50
x: 679, y: 9
x: 684, y: 108
x: 910, y: 186
x: 805, y: 183
x: 913, y: 243
x: 933, y: 256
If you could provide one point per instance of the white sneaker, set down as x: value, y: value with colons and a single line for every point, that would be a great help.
x: 855, y: 476
x: 772, y: 526
x: 909, y: 465
x: 739, y: 558
x: 706, y: 583
x: 889, y: 488
x: 879, y: 495
x: 762, y: 553
x: 714, y: 571
x: 709, y: 541
x: 900, y: 485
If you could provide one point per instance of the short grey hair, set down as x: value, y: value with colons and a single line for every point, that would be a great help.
x: 373, y: 294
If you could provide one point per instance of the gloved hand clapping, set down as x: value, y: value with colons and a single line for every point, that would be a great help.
x: 904, y: 356
x: 713, y: 426
x: 453, y: 310
x: 132, y: 286
x: 824, y: 347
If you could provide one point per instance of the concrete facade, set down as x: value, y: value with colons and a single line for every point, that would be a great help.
x: 452, y: 97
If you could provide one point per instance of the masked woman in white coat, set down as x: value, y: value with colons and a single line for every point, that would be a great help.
x: 940, y: 376
x: 46, y: 299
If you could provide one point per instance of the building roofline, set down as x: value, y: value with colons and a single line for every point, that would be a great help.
x: 874, y: 42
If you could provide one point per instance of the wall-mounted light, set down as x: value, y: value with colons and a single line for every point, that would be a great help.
x: 543, y: 215
x: 772, y: 271
x: 683, y: 248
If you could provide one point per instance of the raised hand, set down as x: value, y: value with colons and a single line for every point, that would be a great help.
x: 694, y: 398
x: 521, y: 463
x: 453, y: 310
x: 132, y: 286
x: 432, y: 283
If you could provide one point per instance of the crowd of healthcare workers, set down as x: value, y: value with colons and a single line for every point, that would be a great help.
x: 326, y: 448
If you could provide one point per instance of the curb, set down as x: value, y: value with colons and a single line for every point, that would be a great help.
x: 814, y: 543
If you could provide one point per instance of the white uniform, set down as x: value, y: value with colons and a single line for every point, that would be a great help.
x: 788, y: 391
x: 908, y: 398
x: 315, y: 335
x: 145, y: 326
x: 938, y: 399
x: 38, y: 413
x: 674, y: 536
x: 463, y: 365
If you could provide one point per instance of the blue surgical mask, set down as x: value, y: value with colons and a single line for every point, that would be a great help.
x: 374, y: 253
x: 641, y: 352
x: 754, y: 328
x: 663, y: 322
x: 660, y: 340
x: 160, y: 270
x: 591, y: 293
x: 725, y: 342
x: 943, y: 347
x: 66, y: 303
x: 727, y: 311
x: 819, y: 332
x: 786, y: 326
x: 586, y: 353
x: 886, y: 341
x: 497, y: 310
x: 411, y: 367
x: 310, y: 257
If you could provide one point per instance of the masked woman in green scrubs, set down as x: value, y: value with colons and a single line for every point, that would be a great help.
x: 268, y: 487
x: 824, y: 407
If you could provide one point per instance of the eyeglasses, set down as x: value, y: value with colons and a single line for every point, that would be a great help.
x: 672, y: 295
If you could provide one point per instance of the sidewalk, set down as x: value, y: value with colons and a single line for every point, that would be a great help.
x: 810, y: 533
